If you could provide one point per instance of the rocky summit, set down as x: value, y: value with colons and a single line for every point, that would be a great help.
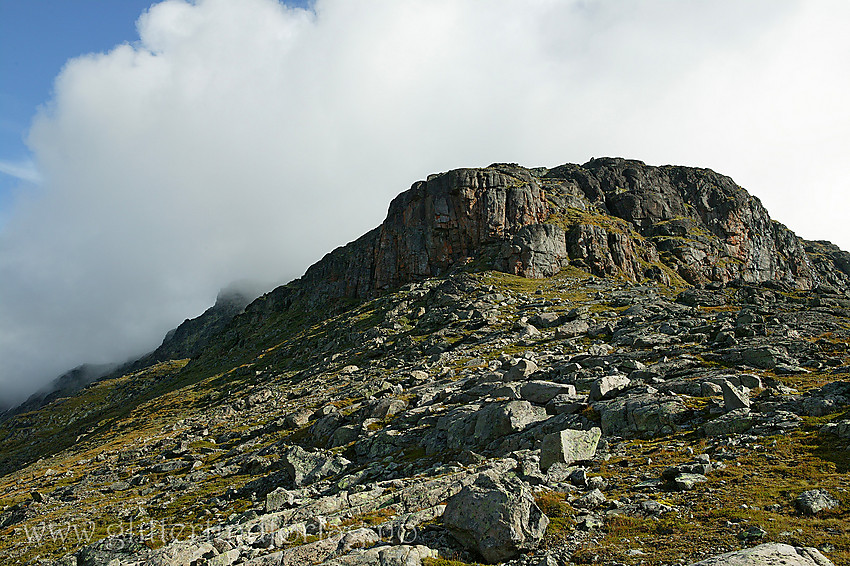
x: 608, y: 363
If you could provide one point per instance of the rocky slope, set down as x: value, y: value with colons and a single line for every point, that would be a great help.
x: 600, y: 364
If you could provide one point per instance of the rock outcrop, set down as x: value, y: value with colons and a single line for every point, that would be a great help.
x: 609, y: 216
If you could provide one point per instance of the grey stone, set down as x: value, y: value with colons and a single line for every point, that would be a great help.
x: 279, y: 498
x: 521, y: 370
x: 298, y: 418
x: 814, y: 501
x: 590, y: 500
x: 498, y: 518
x: 501, y: 419
x: 608, y: 386
x: 764, y: 357
x: 733, y: 398
x: 344, y: 434
x: 589, y: 521
x: 224, y: 559
x: 769, y: 554
x: 387, y: 408
x: 566, y: 404
x: 568, y: 446
x: 733, y: 422
x: 541, y: 392
x: 643, y: 416
x: 572, y: 329
x: 750, y: 380
x: 686, y: 482
x: 578, y: 313
x: 539, y: 250
x: 709, y: 389
x: 305, y: 467
x: 405, y: 555
x: 110, y: 549
x: 171, y: 466
x: 545, y: 319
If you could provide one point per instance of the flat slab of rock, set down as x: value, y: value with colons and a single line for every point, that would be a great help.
x: 568, y: 446
x: 733, y: 422
x: 572, y: 329
x: 608, y: 387
x: 501, y: 419
x: 686, y: 482
x: 770, y: 554
x: 733, y: 398
x: 645, y: 415
x: 541, y: 392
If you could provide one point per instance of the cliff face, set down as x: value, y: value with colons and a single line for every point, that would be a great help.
x: 433, y: 226
x: 610, y: 216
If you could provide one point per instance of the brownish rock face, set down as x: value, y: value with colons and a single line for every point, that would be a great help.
x: 450, y: 218
x: 609, y: 216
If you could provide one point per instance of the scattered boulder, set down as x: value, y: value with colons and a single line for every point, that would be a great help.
x: 541, y: 392
x: 521, y: 370
x: 304, y: 468
x: 387, y: 407
x: 566, y: 404
x: 545, y: 319
x: 733, y: 422
x: 733, y: 398
x: 501, y: 419
x: 709, y: 389
x: 764, y: 357
x: 497, y: 518
x: 685, y: 477
x: 608, y: 387
x: 590, y: 500
x: 814, y: 501
x: 568, y: 446
x: 298, y: 418
x: 572, y: 329
x: 644, y: 415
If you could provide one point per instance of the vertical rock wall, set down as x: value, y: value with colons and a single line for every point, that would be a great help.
x: 609, y: 216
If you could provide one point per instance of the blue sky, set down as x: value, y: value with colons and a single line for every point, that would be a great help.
x: 37, y: 38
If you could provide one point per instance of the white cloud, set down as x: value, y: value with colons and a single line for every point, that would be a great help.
x: 22, y: 170
x: 246, y: 139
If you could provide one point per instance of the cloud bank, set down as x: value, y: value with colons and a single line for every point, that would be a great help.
x: 246, y: 139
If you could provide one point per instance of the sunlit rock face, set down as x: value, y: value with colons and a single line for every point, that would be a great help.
x: 609, y: 216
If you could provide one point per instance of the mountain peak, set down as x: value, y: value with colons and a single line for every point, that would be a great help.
x: 610, y: 216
